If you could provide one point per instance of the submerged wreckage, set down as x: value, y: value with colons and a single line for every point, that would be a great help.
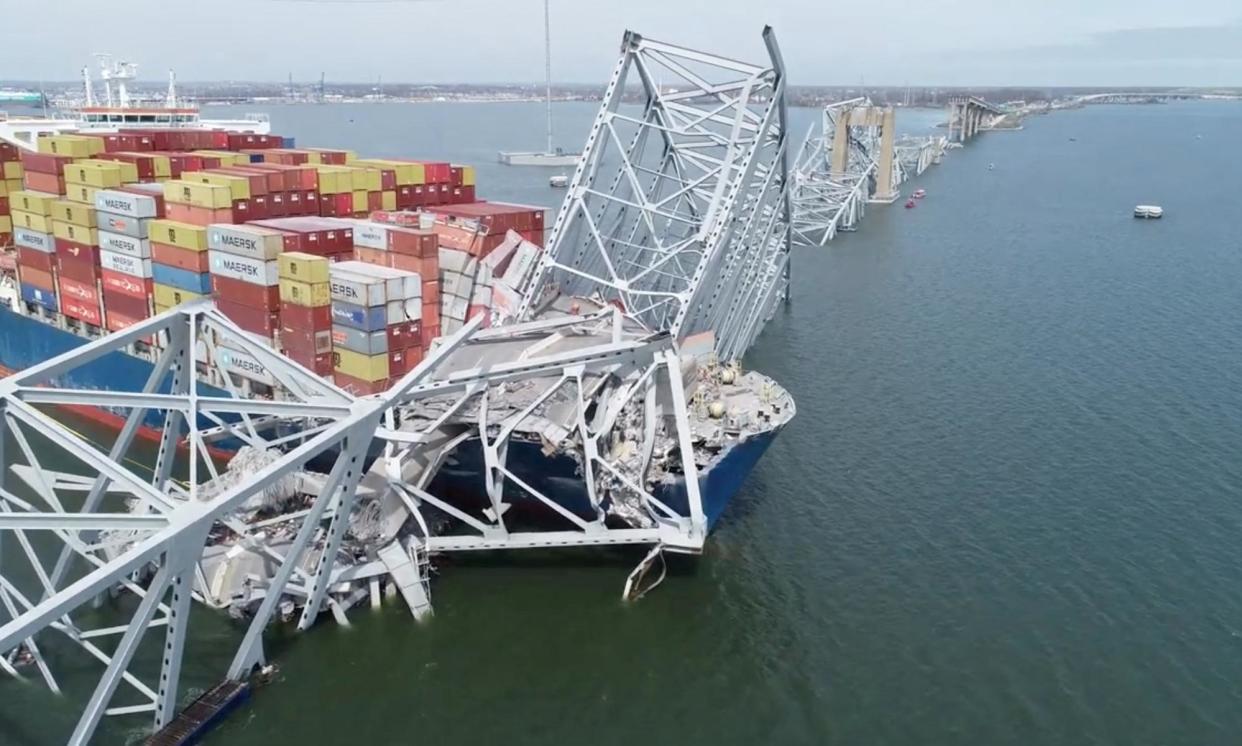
x: 605, y: 407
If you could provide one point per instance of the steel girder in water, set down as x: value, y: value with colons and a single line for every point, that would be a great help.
x: 589, y: 386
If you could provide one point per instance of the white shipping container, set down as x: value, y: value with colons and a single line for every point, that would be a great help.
x: 34, y: 240
x: 135, y: 247
x: 244, y: 268
x: 457, y: 308
x: 245, y: 365
x: 402, y: 285
x: 125, y: 264
x: 250, y: 241
x: 124, y: 203
x: 452, y: 260
x: 370, y: 235
x: 455, y: 285
x: 482, y: 296
x: 123, y: 224
x: 505, y: 300
x: 523, y: 264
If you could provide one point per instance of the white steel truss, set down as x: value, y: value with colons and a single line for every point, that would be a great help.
x: 846, y: 160
x: 678, y: 210
x: 916, y: 154
x: 596, y: 387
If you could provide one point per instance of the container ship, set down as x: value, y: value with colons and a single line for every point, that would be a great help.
x: 350, y: 266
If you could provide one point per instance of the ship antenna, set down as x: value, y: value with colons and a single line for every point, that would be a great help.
x: 547, y: 66
x: 86, y: 83
x: 170, y: 102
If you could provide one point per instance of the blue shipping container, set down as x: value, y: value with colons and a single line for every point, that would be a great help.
x: 40, y: 296
x: 359, y: 317
x: 182, y: 279
x: 287, y: 142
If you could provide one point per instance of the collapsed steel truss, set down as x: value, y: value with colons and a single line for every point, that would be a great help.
x: 851, y: 157
x: 834, y: 174
x: 678, y: 209
x: 917, y: 154
x: 146, y: 532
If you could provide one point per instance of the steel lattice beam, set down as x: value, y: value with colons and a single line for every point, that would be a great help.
x: 680, y: 212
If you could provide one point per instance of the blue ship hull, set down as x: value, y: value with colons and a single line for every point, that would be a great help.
x: 25, y: 342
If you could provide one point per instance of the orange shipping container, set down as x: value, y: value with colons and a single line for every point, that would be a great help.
x: 175, y: 256
x: 198, y: 215
x: 38, y: 278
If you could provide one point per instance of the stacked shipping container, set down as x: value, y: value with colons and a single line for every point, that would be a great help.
x: 306, y: 311
x: 119, y: 225
x: 123, y: 220
x: 375, y: 334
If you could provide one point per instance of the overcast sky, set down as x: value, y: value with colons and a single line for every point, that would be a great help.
x: 830, y: 42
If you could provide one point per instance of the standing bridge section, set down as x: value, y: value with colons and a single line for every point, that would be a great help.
x: 969, y: 115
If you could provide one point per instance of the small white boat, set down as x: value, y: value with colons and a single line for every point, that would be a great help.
x: 920, y: 193
x: 560, y: 181
x: 1148, y: 211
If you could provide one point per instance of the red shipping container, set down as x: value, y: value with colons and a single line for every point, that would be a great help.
x: 127, y: 142
x: 38, y: 278
x: 241, y: 212
x: 245, y: 294
x: 198, y: 215
x: 336, y: 205
x: 115, y: 322
x: 77, y: 269
x: 39, y: 182
x: 430, y: 332
x: 396, y: 364
x: 175, y: 256
x: 9, y: 152
x: 44, y: 163
x: 256, y: 182
x: 115, y: 283
x: 431, y: 288
x: 431, y: 314
x: 305, y: 342
x: 272, y: 181
x: 35, y: 259
x: 455, y: 175
x: 4, y: 205
x: 73, y: 251
x: 127, y: 305
x: 357, y: 386
x: 320, y: 365
x: 262, y: 321
x: 406, y: 263
x: 404, y: 335
x: 412, y: 241
x: 413, y: 356
x: 82, y: 311
x: 84, y: 292
x: 312, y: 318
x: 179, y: 163
x: 371, y: 256
x: 276, y: 204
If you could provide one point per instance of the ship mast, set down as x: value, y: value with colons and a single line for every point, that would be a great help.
x: 170, y: 101
x: 547, y: 66
x: 86, y: 84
